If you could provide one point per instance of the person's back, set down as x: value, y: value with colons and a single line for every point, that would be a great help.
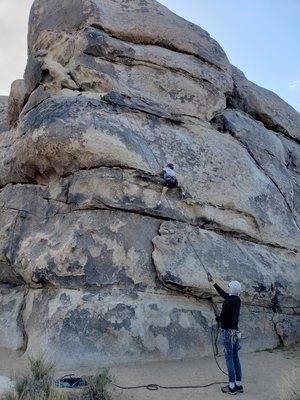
x: 170, y: 182
x: 229, y: 317
x: 229, y: 320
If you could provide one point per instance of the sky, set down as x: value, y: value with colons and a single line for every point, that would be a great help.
x: 260, y: 37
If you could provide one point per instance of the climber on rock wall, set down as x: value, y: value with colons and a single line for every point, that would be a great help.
x: 229, y: 319
x: 170, y: 182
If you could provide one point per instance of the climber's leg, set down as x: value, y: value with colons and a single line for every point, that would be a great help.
x: 237, y: 365
x: 162, y: 195
x: 182, y: 192
x: 227, y: 340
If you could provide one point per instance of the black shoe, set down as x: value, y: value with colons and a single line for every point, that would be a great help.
x: 158, y: 206
x: 239, y: 389
x: 228, y: 390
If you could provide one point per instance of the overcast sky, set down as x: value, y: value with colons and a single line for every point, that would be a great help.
x: 261, y: 37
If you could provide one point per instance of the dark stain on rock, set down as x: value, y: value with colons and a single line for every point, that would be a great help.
x: 8, y: 307
x: 76, y: 198
x: 141, y: 286
x: 260, y: 288
x: 170, y: 278
x: 87, y: 60
x: 65, y: 299
x: 182, y: 337
x: 33, y: 73
x: 100, y: 45
x: 102, y: 271
x: 122, y: 312
x: 82, y: 329
x: 275, y: 301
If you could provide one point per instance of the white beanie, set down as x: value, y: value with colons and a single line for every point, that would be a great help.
x: 234, y: 288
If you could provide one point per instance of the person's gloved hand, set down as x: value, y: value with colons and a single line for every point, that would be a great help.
x: 209, y: 277
x: 218, y: 318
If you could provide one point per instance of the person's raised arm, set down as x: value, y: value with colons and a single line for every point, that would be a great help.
x: 220, y: 291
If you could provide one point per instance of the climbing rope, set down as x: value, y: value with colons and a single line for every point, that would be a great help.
x: 198, y: 257
x: 155, y: 386
x: 213, y: 340
x: 148, y: 146
x: 213, y: 344
x: 62, y: 382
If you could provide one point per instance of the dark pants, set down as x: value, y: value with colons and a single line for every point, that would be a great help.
x: 231, y: 345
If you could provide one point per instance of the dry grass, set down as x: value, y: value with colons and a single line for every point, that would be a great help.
x: 96, y: 388
x: 35, y: 385
x: 38, y: 383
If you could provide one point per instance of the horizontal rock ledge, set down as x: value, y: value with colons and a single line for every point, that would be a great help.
x: 184, y: 254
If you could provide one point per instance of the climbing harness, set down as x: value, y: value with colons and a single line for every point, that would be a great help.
x: 234, y: 334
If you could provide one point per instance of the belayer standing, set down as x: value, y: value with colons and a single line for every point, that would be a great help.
x: 170, y: 182
x: 229, y: 320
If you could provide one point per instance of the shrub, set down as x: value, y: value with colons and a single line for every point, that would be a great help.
x: 38, y: 384
x: 96, y: 388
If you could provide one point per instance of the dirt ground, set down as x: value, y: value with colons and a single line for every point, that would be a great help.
x: 268, y: 375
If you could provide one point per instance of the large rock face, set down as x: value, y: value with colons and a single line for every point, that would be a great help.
x: 90, y: 271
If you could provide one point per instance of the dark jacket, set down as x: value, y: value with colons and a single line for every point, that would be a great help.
x: 230, y: 313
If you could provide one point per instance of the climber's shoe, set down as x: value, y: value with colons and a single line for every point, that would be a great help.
x: 239, y: 388
x: 228, y: 390
x: 158, y: 205
x: 189, y: 201
x: 183, y: 195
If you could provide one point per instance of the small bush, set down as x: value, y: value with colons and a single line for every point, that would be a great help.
x: 61, y: 394
x: 96, y: 388
x: 38, y: 384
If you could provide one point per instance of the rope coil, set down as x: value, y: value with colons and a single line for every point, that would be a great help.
x: 154, y: 386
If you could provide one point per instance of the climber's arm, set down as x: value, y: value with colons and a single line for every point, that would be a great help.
x: 220, y: 291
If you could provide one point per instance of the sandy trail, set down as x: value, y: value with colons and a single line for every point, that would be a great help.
x: 268, y: 375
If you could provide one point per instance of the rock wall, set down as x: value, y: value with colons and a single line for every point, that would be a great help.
x: 90, y: 271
